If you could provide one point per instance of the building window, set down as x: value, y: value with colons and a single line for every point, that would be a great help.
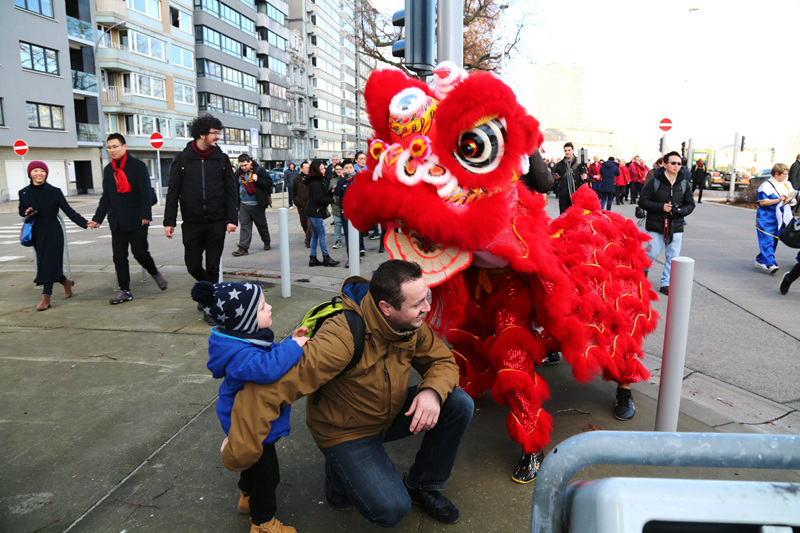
x: 276, y: 65
x: 224, y: 104
x: 38, y: 58
x: 180, y: 19
x: 151, y: 8
x: 279, y: 141
x: 277, y: 91
x: 214, y: 39
x: 145, y: 45
x: 275, y: 40
x: 280, y: 117
x: 275, y: 14
x: 45, y: 116
x: 179, y: 56
x: 142, y: 85
x: 184, y: 94
x: 182, y: 129
x: 235, y: 136
x: 144, y: 126
x: 42, y: 7
x: 226, y: 13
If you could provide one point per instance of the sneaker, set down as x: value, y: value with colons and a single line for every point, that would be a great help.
x: 337, y: 244
x: 552, y: 358
x: 374, y: 237
x: 122, y: 297
x: 273, y: 526
x: 239, y: 252
x: 160, y: 281
x: 623, y: 406
x: 762, y: 267
x: 362, y: 253
x: 664, y: 290
x: 528, y: 467
x: 244, y: 503
x: 435, y: 503
x: 785, y: 284
x: 267, y: 247
x: 773, y: 269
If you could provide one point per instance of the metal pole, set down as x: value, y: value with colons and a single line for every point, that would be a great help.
x: 689, y: 151
x: 781, y: 452
x: 450, y: 31
x: 675, y: 337
x: 283, y: 235
x: 158, y: 176
x: 732, y: 188
x: 353, y: 250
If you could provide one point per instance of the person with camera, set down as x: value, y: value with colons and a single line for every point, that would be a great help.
x: 569, y: 174
x: 668, y: 199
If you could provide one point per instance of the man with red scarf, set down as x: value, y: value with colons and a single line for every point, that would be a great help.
x: 202, y: 180
x: 127, y: 199
x: 255, y: 190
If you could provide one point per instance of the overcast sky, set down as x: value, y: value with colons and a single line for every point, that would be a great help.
x: 726, y: 66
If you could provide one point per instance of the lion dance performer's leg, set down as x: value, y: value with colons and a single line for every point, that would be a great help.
x: 499, y: 341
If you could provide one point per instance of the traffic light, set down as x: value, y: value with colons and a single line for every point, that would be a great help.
x: 683, y: 149
x: 419, y: 20
x: 661, y: 146
x: 741, y: 149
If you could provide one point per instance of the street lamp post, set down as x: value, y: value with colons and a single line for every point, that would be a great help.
x: 502, y: 8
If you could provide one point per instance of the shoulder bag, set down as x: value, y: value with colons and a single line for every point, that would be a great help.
x: 26, y: 232
x: 790, y: 235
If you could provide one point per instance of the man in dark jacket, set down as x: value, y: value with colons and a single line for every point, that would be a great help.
x: 668, y: 199
x: 202, y: 180
x: 569, y: 174
x: 699, y: 174
x: 538, y: 178
x: 288, y: 178
x: 794, y: 174
x: 255, y: 190
x: 608, y: 178
x: 300, y: 193
x: 127, y: 200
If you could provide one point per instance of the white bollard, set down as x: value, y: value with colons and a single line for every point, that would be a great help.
x: 283, y: 235
x: 676, y: 335
x: 353, y: 250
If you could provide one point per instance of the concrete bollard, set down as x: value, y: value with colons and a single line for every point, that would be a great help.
x: 283, y: 235
x: 353, y: 250
x: 676, y: 335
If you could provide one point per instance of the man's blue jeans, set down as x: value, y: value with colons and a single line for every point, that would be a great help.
x: 362, y: 470
x: 655, y: 246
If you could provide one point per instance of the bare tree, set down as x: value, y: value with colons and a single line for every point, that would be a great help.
x: 483, y: 46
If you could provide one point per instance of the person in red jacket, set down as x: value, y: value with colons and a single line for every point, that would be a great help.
x: 594, y: 173
x: 638, y: 170
x: 622, y: 181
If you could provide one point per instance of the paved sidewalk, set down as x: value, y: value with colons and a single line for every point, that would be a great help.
x: 109, y: 425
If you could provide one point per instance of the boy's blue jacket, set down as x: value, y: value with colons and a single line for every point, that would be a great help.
x: 237, y: 360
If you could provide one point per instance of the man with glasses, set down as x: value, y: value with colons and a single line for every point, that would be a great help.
x: 667, y: 198
x: 202, y: 180
x: 127, y: 200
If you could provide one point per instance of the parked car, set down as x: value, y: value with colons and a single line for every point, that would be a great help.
x: 715, y: 180
x: 742, y: 180
x: 760, y: 177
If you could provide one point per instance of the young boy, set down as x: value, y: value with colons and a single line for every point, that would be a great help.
x: 240, y: 349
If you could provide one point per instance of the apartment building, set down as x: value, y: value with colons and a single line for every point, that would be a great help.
x: 147, y: 70
x: 49, y: 95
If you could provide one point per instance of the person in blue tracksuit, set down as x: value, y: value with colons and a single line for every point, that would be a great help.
x: 242, y: 348
x: 773, y: 213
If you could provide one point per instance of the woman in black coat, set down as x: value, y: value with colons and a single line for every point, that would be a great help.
x: 48, y: 239
x: 316, y: 209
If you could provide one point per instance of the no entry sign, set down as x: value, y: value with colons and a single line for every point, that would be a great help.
x: 20, y: 147
x: 156, y: 140
x: 665, y: 124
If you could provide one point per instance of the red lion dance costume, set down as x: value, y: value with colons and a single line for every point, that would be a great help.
x: 508, y: 283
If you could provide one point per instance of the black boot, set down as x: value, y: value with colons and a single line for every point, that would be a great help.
x: 313, y: 261
x: 528, y: 467
x: 328, y: 262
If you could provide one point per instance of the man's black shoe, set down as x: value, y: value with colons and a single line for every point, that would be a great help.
x: 623, y: 406
x: 435, y: 503
x: 552, y: 358
x: 785, y: 284
x: 336, y: 499
x: 528, y: 467
x: 664, y: 290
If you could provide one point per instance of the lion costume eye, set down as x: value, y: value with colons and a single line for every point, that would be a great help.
x: 481, y: 149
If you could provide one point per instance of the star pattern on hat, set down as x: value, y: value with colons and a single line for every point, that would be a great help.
x: 239, y: 311
x: 234, y: 294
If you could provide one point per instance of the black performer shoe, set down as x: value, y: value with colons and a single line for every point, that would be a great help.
x: 528, y: 467
x: 552, y: 358
x: 623, y: 405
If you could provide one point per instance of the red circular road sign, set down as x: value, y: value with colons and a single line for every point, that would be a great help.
x: 156, y: 140
x: 665, y: 124
x: 20, y: 147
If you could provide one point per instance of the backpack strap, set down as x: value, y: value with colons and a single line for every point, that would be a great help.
x: 356, y: 324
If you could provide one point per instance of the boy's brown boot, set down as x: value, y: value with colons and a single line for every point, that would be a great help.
x: 244, y: 503
x: 273, y: 526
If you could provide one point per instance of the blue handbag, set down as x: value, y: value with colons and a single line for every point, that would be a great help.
x: 26, y: 233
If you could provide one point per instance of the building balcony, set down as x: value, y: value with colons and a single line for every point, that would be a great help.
x: 84, y: 81
x: 89, y: 133
x: 80, y: 29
